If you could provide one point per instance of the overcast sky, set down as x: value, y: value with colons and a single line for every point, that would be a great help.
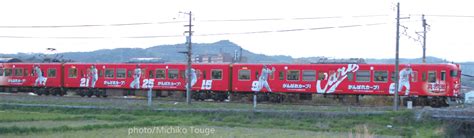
x: 369, y: 32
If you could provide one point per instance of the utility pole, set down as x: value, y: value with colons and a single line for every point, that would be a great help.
x: 397, y: 43
x: 424, y: 37
x: 189, y: 53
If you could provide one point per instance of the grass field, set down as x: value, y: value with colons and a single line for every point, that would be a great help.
x: 157, y: 103
x: 48, y: 122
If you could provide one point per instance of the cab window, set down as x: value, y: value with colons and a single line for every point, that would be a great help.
x: 452, y: 73
x: 1, y: 71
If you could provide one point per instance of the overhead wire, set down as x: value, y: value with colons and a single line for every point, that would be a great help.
x: 211, y: 34
x: 171, y: 22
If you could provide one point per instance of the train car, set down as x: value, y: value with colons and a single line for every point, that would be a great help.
x: 95, y: 79
x: 437, y: 81
x: 41, y: 78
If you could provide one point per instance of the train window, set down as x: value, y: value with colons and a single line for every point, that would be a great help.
x: 350, y: 76
x: 272, y: 77
x: 415, y: 76
x: 216, y: 74
x: 51, y: 73
x: 151, y: 74
x: 443, y: 75
x: 101, y: 73
x: 293, y: 75
x: 431, y: 76
x: 173, y: 74
x: 121, y: 73
x: 363, y: 76
x: 130, y: 73
x: 204, y: 74
x: 109, y: 73
x: 160, y: 74
x: 72, y: 73
x: 25, y: 72
x: 380, y: 76
x: 309, y: 75
x: 452, y: 73
x: 8, y: 72
x: 392, y: 76
x: 182, y: 73
x: 18, y: 72
x: 281, y: 75
x: 244, y: 74
x: 423, y: 76
x: 198, y: 74
x: 1, y: 71
x: 321, y: 75
x: 256, y: 75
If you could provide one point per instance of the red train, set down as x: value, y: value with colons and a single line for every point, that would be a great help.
x: 433, y: 84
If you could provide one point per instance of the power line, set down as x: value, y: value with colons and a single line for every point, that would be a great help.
x: 90, y: 25
x: 454, y: 16
x: 171, y: 22
x: 211, y: 34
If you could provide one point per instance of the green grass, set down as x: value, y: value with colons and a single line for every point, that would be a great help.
x: 218, y: 133
x: 157, y: 103
x: 108, y: 120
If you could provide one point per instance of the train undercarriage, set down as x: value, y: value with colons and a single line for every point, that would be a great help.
x: 319, y: 99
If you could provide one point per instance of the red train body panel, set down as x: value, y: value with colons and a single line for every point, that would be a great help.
x: 161, y: 76
x: 351, y: 79
x: 23, y: 75
x: 360, y: 79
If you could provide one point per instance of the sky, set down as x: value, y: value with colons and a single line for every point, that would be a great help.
x: 336, y: 28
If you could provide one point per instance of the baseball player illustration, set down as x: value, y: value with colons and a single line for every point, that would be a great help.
x: 40, y: 80
x: 135, y: 84
x: 262, y: 79
x: 94, y: 76
x: 404, y: 79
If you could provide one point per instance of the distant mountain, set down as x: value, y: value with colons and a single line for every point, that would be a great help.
x: 168, y: 53
x: 171, y: 53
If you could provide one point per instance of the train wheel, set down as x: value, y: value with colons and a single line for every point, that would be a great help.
x: 54, y: 92
x: 45, y: 91
x: 39, y: 92
x: 103, y: 93
x: 90, y: 93
x: 62, y: 92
